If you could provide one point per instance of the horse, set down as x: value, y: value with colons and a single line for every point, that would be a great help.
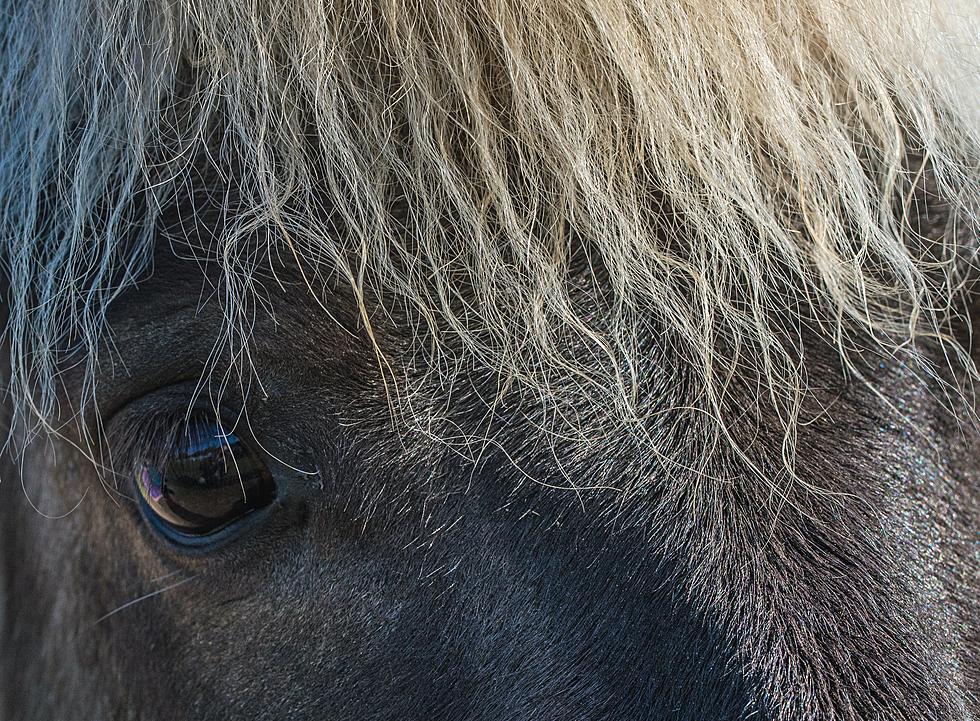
x: 489, y: 360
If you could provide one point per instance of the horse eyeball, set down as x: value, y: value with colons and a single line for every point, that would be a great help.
x: 206, y: 482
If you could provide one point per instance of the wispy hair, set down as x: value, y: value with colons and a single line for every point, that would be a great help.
x: 733, y: 170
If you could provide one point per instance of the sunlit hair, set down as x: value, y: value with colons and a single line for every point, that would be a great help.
x: 733, y: 170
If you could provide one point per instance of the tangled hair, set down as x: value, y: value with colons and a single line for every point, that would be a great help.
x: 733, y: 171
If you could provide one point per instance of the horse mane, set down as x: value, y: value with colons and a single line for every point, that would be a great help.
x: 736, y: 172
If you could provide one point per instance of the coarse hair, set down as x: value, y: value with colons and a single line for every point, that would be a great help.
x: 734, y: 171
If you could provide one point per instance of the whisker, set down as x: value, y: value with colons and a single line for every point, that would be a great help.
x: 143, y: 598
x: 165, y: 576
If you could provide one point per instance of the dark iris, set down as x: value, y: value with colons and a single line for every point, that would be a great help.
x: 209, y: 480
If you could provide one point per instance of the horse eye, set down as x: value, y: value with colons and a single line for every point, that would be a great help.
x: 208, y: 481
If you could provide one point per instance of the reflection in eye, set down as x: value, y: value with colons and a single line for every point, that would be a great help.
x: 207, y: 481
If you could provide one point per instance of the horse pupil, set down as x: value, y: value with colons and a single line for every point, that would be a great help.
x: 207, y: 482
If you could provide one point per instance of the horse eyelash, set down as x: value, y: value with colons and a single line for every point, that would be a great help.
x: 148, y: 438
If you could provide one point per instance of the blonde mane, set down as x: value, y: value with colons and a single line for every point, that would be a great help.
x: 452, y: 158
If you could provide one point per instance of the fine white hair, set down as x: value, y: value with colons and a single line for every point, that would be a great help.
x: 735, y: 169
